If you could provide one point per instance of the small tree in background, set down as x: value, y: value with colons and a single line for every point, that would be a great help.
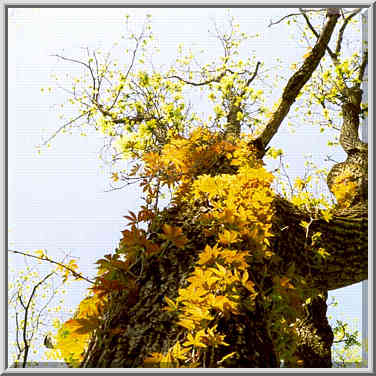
x: 36, y: 301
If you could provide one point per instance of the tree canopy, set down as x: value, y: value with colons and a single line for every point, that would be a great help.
x: 227, y: 264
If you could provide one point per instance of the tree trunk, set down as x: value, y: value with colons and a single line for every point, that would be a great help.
x: 136, y: 326
x: 146, y: 328
x: 315, y: 337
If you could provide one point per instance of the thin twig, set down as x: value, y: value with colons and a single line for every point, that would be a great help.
x: 75, y: 274
x: 294, y: 14
x: 63, y: 127
x: 342, y: 30
x: 25, y: 339
x: 216, y: 79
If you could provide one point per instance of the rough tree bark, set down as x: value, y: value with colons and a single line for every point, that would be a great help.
x: 146, y: 327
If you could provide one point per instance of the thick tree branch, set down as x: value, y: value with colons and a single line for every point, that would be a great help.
x: 317, y: 35
x: 298, y: 80
x: 345, y: 238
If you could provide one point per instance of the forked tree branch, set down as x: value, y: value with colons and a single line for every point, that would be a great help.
x: 316, y: 34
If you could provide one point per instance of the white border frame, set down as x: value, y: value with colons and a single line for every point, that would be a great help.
x: 192, y: 3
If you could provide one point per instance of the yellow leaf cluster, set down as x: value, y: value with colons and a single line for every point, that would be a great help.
x: 72, y: 337
x: 344, y: 190
x: 241, y: 205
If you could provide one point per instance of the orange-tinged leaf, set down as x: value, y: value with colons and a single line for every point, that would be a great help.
x: 174, y: 234
x: 131, y: 217
x: 83, y: 326
x: 228, y: 216
x: 284, y: 281
x: 133, y: 237
x: 116, y: 331
x: 115, y: 176
x: 152, y: 248
x: 249, y: 285
x: 154, y: 359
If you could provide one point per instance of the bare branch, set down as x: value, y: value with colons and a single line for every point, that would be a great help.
x: 134, y: 53
x: 216, y: 79
x: 25, y: 324
x: 71, y: 60
x: 254, y: 74
x: 302, y: 11
x: 21, y: 301
x: 17, y: 339
x: 74, y: 273
x: 60, y: 129
x: 342, y: 30
x: 362, y: 68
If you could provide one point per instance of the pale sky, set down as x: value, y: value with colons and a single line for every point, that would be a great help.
x: 57, y: 200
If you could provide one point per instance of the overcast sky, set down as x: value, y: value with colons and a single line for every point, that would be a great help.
x: 57, y: 200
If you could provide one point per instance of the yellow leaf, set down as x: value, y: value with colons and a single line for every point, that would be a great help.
x: 172, y: 306
x: 207, y: 255
x: 228, y: 237
x: 220, y: 271
x: 245, y: 278
x: 40, y: 253
x: 308, y: 53
x: 268, y: 254
x: 186, y: 323
x: 194, y: 341
x: 304, y: 224
x: 179, y: 352
x: 327, y: 215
